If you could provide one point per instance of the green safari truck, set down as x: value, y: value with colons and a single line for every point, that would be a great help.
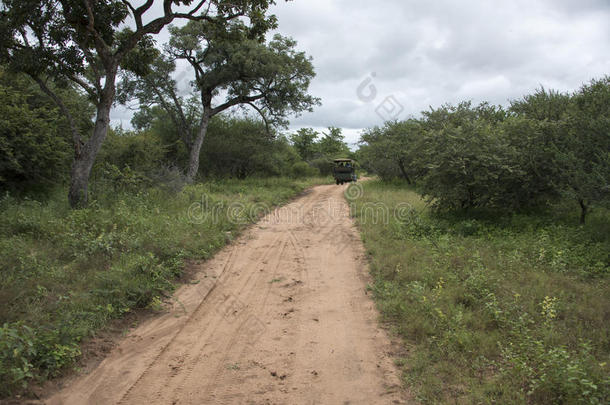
x: 343, y: 171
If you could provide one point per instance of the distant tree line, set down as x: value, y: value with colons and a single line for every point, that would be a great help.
x: 544, y: 147
x: 36, y: 150
x: 319, y: 149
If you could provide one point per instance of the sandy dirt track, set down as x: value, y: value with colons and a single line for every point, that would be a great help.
x: 281, y: 316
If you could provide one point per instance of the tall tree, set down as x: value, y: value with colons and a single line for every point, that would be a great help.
x: 234, y: 63
x: 304, y: 141
x: 86, y: 41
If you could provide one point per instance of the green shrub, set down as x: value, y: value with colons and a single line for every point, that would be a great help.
x: 32, y: 148
x: 142, y: 152
x: 303, y: 170
x: 244, y: 147
x: 16, y: 353
x: 553, y: 374
x: 324, y: 165
x: 546, y: 147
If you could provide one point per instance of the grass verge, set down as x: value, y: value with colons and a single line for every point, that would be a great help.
x: 492, y: 309
x: 66, y: 273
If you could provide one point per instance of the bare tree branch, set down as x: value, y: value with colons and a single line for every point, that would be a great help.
x: 93, y: 93
x: 262, y: 114
x: 100, y: 44
x: 131, y: 8
x: 235, y: 101
x: 142, y: 9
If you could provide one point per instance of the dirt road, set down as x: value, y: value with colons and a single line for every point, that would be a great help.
x: 281, y: 316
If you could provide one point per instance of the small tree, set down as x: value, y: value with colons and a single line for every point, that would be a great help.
x: 568, y: 150
x: 86, y: 41
x: 243, y: 146
x: 330, y: 146
x: 394, y: 150
x: 467, y: 160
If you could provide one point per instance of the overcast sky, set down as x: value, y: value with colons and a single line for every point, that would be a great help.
x: 391, y: 59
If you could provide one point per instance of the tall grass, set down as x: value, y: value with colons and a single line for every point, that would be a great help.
x: 65, y: 273
x: 492, y: 308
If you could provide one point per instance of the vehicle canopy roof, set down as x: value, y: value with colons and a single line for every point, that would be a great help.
x: 342, y: 160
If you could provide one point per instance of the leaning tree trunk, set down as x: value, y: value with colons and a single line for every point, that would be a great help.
x: 401, y: 166
x: 193, y: 167
x: 84, y: 156
x: 583, y: 211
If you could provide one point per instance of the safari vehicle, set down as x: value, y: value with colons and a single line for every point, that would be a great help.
x: 343, y: 171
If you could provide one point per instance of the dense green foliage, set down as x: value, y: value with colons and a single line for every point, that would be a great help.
x: 234, y: 147
x: 389, y: 151
x: 507, y: 309
x: 242, y: 147
x: 65, y: 273
x: 36, y: 148
x: 319, y: 151
x: 35, y: 145
x: 546, y: 146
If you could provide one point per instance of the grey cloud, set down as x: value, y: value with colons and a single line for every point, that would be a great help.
x: 426, y: 53
x: 429, y: 53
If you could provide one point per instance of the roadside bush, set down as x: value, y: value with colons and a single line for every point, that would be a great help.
x: 142, y: 152
x: 243, y: 147
x: 110, y: 177
x: 324, y: 165
x: 394, y: 150
x: 16, y: 353
x: 302, y: 170
x: 168, y: 178
x: 553, y: 374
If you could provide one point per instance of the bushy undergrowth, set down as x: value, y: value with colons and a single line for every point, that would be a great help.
x: 65, y: 273
x: 494, y: 309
